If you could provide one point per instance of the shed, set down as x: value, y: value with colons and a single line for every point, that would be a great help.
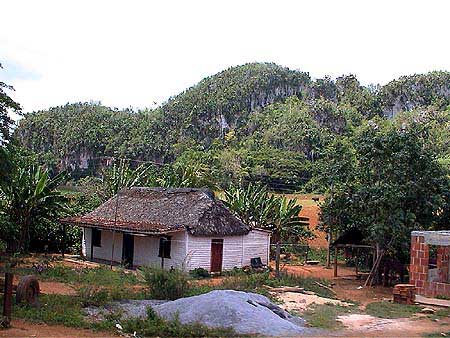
x: 185, y: 228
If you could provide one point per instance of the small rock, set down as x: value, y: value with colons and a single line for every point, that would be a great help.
x: 428, y: 310
x: 309, y: 293
x: 443, y: 334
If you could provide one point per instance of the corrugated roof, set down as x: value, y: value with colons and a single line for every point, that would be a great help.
x: 163, y: 210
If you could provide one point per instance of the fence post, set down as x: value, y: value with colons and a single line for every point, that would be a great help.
x: 277, y: 260
x: 328, y: 250
x: 7, y: 297
x: 335, y: 260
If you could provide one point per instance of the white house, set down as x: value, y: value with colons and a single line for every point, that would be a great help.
x: 184, y: 228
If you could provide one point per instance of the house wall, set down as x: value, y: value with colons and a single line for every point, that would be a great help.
x: 237, y: 250
x: 104, y: 251
x: 146, y: 249
x: 187, y: 251
x: 257, y: 244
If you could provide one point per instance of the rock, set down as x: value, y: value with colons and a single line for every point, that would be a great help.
x: 246, y: 313
x: 428, y: 310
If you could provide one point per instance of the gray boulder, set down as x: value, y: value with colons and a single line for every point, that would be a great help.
x: 246, y: 313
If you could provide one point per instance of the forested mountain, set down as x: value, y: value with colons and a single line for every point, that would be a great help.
x: 255, y: 121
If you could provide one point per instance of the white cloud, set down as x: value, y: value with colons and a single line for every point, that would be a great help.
x: 137, y: 52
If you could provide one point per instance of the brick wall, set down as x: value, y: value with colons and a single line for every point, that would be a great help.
x: 418, y: 271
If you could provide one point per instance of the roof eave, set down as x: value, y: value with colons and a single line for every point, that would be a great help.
x: 118, y: 229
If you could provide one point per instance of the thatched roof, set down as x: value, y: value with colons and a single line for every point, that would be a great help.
x: 164, y: 210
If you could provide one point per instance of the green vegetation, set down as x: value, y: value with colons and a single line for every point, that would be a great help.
x: 257, y: 207
x: 379, y: 153
x: 6, y: 104
x: 163, y: 284
x: 28, y: 196
x: 257, y: 282
x: 394, y: 184
x: 255, y: 122
x: 199, y: 273
x: 324, y: 315
x: 101, y: 276
x: 68, y: 311
x: 391, y: 310
x: 154, y: 326
x: 54, y: 309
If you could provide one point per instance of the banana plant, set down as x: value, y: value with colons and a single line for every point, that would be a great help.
x: 30, y: 195
x: 256, y: 206
x: 121, y: 175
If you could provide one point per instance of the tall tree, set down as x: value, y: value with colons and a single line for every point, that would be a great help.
x: 399, y: 186
x: 6, y: 105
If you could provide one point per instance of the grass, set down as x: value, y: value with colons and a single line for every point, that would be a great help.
x: 440, y: 314
x: 102, y: 275
x: 68, y: 311
x: 255, y: 282
x: 391, y: 310
x: 324, y: 315
x: 318, y: 254
x: 154, y: 326
x: 55, y: 309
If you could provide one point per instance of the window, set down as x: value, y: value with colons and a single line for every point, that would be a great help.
x: 164, y: 247
x: 96, y: 237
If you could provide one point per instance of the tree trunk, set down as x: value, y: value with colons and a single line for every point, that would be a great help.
x: 374, y: 271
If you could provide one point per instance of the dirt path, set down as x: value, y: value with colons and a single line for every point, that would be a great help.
x: 358, y: 325
x: 21, y: 328
x: 346, y: 286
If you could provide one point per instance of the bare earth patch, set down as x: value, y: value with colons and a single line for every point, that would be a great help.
x: 52, y: 288
x: 293, y: 301
x: 22, y: 328
x: 361, y: 325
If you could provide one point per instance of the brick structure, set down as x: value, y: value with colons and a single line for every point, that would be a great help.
x: 430, y: 278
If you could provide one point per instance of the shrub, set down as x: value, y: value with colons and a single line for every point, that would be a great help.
x: 199, y: 273
x: 164, y: 284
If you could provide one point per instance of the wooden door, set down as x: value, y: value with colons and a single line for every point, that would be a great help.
x: 216, y: 255
x: 128, y: 250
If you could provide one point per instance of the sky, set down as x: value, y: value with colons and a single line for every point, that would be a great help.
x: 139, y: 53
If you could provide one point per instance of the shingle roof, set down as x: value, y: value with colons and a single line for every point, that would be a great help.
x: 163, y: 210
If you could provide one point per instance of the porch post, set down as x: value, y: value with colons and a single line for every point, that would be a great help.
x: 162, y: 255
x: 92, y: 244
x: 112, y: 248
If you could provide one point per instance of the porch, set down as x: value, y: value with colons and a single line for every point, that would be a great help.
x: 133, y: 249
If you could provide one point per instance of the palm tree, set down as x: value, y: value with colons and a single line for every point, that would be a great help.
x: 29, y: 196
